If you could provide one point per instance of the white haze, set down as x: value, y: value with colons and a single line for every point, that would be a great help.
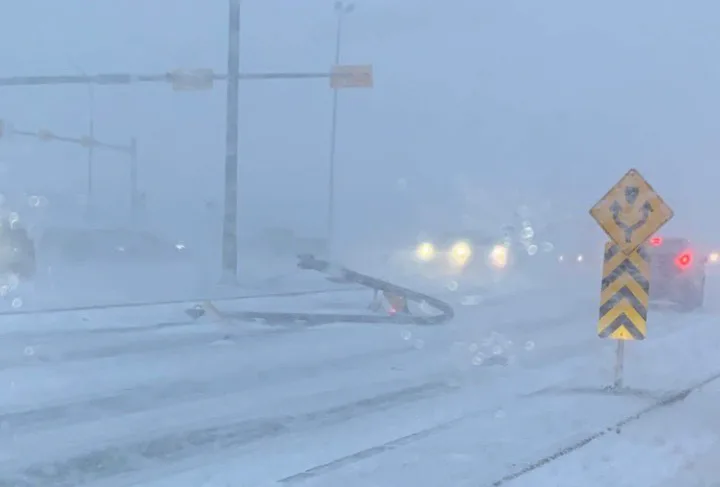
x: 478, y: 107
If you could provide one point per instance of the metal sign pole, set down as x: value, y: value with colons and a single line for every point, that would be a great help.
x: 619, y: 364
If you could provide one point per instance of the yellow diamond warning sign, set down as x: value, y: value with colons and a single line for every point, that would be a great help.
x: 631, y: 212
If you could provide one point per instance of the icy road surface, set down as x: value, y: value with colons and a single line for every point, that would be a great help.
x: 508, y: 394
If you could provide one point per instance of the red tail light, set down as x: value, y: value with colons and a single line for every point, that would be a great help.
x: 656, y: 241
x: 684, y: 260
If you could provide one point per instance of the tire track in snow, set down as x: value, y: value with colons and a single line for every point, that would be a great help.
x: 132, y: 348
x: 111, y: 461
x: 569, y: 352
x: 141, y: 345
x: 667, y: 401
x: 400, y: 442
x: 132, y: 456
x: 148, y: 397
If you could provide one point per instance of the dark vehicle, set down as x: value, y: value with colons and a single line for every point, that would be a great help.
x: 677, y: 272
x: 17, y: 251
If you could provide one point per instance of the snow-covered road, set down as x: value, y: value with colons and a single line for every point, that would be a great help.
x: 507, y: 394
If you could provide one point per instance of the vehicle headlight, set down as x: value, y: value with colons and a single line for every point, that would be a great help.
x: 714, y: 257
x: 580, y: 258
x: 460, y: 253
x: 498, y: 257
x: 425, y: 251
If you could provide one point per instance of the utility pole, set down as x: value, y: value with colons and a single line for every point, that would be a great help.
x: 230, y: 218
x: 341, y: 9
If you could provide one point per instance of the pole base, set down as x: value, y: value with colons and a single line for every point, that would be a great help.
x: 228, y: 279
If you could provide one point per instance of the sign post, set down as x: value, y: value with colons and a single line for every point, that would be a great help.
x: 619, y: 363
x: 630, y: 213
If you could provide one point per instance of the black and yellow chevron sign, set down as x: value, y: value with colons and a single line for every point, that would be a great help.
x: 625, y: 294
x: 631, y: 212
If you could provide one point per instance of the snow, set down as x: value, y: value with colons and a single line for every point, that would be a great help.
x: 651, y: 451
x: 488, y: 127
x: 60, y: 286
x: 145, y: 396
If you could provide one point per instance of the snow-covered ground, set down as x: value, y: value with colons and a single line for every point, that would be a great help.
x: 63, y: 285
x: 509, y: 393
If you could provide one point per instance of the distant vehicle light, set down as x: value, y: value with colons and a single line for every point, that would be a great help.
x: 656, y: 241
x: 461, y: 253
x: 580, y: 258
x: 498, y: 257
x: 714, y: 257
x: 425, y: 251
x: 684, y: 260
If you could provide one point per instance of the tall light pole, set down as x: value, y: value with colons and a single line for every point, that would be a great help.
x: 341, y: 9
x: 91, y: 148
x: 230, y: 217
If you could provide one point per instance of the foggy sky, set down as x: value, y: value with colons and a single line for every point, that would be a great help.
x: 510, y: 100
